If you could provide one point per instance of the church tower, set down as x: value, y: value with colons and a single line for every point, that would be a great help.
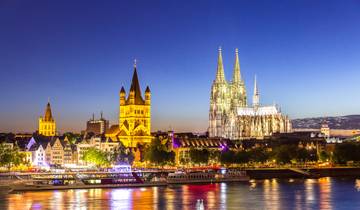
x: 135, y: 114
x: 238, y: 91
x: 219, y: 100
x: 47, y: 125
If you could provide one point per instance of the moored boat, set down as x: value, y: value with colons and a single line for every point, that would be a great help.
x: 82, y: 181
x: 182, y: 177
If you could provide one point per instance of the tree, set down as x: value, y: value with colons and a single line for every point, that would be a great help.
x: 199, y: 156
x: 122, y: 155
x: 324, y: 156
x: 227, y: 157
x: 97, y: 157
x: 10, y: 156
x: 284, y: 153
x: 214, y: 156
x: 72, y: 137
x: 158, y: 154
x: 242, y: 157
x: 258, y: 155
x: 346, y: 152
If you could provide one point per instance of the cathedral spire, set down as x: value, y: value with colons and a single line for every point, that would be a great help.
x: 237, y: 74
x: 220, y: 75
x: 256, y: 96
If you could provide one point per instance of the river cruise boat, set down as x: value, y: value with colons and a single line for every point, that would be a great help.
x: 182, y: 177
x: 84, y: 180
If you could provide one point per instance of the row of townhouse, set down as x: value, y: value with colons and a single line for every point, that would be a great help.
x: 43, y: 151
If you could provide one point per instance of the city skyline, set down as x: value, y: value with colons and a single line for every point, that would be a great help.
x: 80, y: 59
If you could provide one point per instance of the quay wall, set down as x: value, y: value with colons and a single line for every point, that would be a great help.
x: 315, y: 172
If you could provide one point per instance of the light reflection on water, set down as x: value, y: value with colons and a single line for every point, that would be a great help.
x: 323, y: 193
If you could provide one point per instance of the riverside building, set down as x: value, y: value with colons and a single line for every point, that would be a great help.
x: 231, y: 117
x: 134, y: 116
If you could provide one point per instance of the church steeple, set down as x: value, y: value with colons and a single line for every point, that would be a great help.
x: 236, y: 74
x: 47, y: 125
x: 220, y: 75
x: 135, y: 88
x: 256, y: 96
x: 48, y: 114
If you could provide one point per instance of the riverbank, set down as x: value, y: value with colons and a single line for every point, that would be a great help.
x: 267, y: 173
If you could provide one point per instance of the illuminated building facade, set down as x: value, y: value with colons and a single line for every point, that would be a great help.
x: 134, y: 116
x: 47, y: 125
x: 231, y: 117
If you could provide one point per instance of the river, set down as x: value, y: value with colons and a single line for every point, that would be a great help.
x: 323, y: 193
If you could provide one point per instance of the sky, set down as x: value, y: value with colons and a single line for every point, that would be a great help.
x: 306, y: 55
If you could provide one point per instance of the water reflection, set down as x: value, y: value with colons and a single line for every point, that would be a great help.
x: 324, y: 193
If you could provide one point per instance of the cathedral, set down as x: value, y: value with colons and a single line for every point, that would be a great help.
x: 134, y: 116
x: 231, y: 117
x: 47, y: 125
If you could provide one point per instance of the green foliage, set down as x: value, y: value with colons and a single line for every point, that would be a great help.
x: 122, y: 155
x: 10, y: 156
x: 287, y: 153
x: 199, y: 156
x: 346, y: 152
x: 227, y: 157
x: 242, y: 157
x: 72, y: 137
x: 324, y: 156
x: 97, y: 157
x: 257, y: 155
x: 214, y: 156
x: 284, y: 153
x: 158, y: 154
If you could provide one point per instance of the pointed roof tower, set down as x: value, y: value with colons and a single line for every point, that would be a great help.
x: 135, y: 87
x: 256, y: 90
x: 220, y: 75
x: 236, y: 74
x: 256, y: 96
x: 48, y: 114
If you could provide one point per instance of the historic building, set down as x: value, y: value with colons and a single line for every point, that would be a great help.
x: 47, y: 125
x: 134, y: 116
x: 97, y: 126
x: 231, y: 117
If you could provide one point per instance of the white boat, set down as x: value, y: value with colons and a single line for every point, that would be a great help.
x: 182, y: 177
x: 46, y: 181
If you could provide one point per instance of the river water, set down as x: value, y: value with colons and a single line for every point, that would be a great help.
x: 323, y: 193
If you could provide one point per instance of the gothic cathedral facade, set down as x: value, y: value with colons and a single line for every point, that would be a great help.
x: 231, y: 117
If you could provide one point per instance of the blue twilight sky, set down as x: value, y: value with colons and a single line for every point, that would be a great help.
x: 306, y: 55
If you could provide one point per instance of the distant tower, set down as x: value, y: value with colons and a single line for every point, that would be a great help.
x: 256, y: 96
x: 325, y: 129
x: 47, y: 125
